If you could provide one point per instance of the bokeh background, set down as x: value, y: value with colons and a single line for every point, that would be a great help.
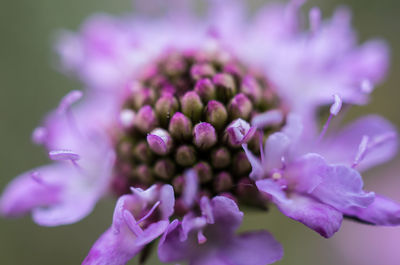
x: 30, y: 85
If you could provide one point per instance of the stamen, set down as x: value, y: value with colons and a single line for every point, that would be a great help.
x: 68, y: 100
x: 131, y: 223
x: 366, y: 86
x: 58, y: 155
x: 201, y: 238
x: 149, y: 213
x: 261, y: 146
x: 334, y: 110
x: 39, y: 135
x: 362, y: 149
x: 315, y: 19
x: 269, y: 118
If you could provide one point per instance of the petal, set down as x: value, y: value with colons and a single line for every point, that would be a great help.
x: 112, y: 248
x: 342, y: 147
x: 171, y: 248
x: 25, y: 193
x: 275, y: 147
x: 257, y: 171
x: 167, y: 199
x: 382, y: 211
x: 320, y: 217
x: 227, y: 216
x: 255, y: 248
x: 340, y: 187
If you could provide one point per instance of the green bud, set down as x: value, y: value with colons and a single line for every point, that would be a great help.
x: 166, y: 106
x: 185, y: 155
x: 192, y: 106
x: 216, y: 114
x: 164, y: 169
x: 221, y: 157
x: 225, y: 86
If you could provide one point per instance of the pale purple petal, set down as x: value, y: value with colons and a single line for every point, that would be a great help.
x: 167, y: 199
x: 27, y: 192
x: 255, y: 248
x: 257, y: 171
x: 171, y: 247
x: 320, y: 217
x: 382, y: 211
x: 191, y: 188
x: 275, y: 148
x: 343, y: 146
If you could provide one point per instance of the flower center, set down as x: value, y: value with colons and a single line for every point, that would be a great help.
x: 176, y: 118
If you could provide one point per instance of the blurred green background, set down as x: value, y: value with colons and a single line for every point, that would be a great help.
x: 30, y: 86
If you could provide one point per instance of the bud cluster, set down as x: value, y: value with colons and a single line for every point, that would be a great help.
x: 177, y: 117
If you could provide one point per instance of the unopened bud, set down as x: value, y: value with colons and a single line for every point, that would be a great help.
x: 180, y: 127
x: 146, y: 119
x: 202, y: 70
x: 240, y: 107
x: 143, y: 153
x: 241, y: 165
x: 159, y: 141
x: 185, y: 155
x: 252, y: 89
x: 223, y: 182
x: 205, y: 89
x: 164, y: 169
x: 127, y: 118
x: 216, y: 114
x: 143, y: 173
x: 142, y: 96
x: 204, y: 135
x: 178, y: 184
x: 225, y: 87
x: 192, y: 106
x: 220, y: 158
x: 204, y: 172
x: 240, y: 132
x: 165, y: 107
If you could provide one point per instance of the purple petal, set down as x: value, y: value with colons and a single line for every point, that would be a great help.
x: 340, y: 186
x: 112, y: 248
x: 382, y: 211
x: 257, y: 171
x: 255, y: 248
x: 320, y: 217
x: 167, y: 199
x: 275, y: 148
x: 171, y: 248
x: 342, y: 148
x: 27, y: 192
x: 227, y: 215
x: 191, y: 187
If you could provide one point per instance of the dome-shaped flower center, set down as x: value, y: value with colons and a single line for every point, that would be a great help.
x: 178, y: 117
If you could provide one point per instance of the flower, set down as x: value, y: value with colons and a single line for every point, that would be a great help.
x: 169, y: 104
x: 138, y: 219
x: 210, y: 238
x: 316, y: 182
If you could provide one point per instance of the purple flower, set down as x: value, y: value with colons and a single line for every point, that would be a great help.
x: 210, y: 238
x: 170, y: 102
x: 316, y: 182
x: 139, y: 218
x: 68, y: 189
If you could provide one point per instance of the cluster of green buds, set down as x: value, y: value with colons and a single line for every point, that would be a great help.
x: 192, y: 110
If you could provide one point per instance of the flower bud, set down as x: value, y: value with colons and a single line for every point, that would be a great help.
x: 165, y: 107
x: 204, y: 135
x: 178, y: 184
x: 192, y: 106
x: 240, y: 107
x: 204, y: 171
x: 142, y: 96
x: 205, y: 89
x: 220, y: 158
x: 146, y: 119
x: 180, y: 127
x: 252, y: 89
x: 159, y: 141
x: 185, y: 155
x: 143, y: 173
x: 143, y: 153
x: 225, y: 86
x: 127, y: 118
x: 216, y: 114
x: 202, y: 70
x: 223, y: 182
x: 240, y: 132
x: 164, y: 169
x: 241, y: 165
